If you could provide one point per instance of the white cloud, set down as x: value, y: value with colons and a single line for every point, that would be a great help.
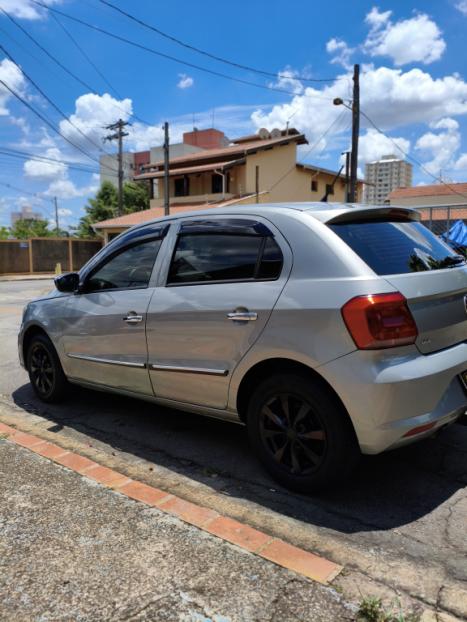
x: 462, y: 6
x: 92, y: 114
x: 286, y: 79
x: 63, y: 211
x: 376, y: 18
x: 21, y: 123
x: 341, y: 51
x: 25, y: 9
x: 373, y: 145
x: 185, y: 81
x: 441, y: 147
x: 46, y: 171
x: 461, y: 163
x: 417, y: 39
x: 66, y: 189
x: 392, y: 98
x: 12, y: 75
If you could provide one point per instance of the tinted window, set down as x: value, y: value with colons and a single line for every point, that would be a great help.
x: 212, y: 257
x: 271, y: 261
x: 131, y: 268
x: 397, y: 247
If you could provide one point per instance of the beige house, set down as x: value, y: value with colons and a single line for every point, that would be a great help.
x: 259, y: 168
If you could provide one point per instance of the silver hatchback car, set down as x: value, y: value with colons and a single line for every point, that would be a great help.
x: 328, y: 329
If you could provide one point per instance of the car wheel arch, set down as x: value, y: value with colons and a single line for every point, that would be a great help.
x: 263, y: 369
x: 29, y: 334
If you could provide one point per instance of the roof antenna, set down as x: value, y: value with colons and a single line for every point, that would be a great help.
x: 213, y: 115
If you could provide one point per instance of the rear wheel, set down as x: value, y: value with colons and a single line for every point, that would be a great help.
x: 45, y: 370
x: 301, y: 433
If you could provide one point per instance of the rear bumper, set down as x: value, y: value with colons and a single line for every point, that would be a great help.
x: 388, y: 393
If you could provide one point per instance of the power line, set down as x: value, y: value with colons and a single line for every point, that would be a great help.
x: 46, y: 52
x: 170, y: 57
x: 52, y: 103
x: 46, y: 121
x: 11, y: 153
x: 409, y: 157
x: 86, y: 56
x: 209, y: 54
x: 61, y: 65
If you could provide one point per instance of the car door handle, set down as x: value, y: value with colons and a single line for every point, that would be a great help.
x: 133, y: 318
x: 242, y: 316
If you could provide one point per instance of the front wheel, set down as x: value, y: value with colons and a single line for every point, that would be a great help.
x: 45, y: 370
x: 301, y: 433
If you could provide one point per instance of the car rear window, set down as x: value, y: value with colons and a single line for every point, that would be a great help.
x: 397, y: 247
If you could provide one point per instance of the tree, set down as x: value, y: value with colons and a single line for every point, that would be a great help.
x: 30, y: 228
x: 104, y: 205
x: 4, y: 233
x: 135, y: 197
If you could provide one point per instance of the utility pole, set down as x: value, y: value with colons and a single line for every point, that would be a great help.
x: 355, y: 133
x: 57, y: 228
x: 347, y: 173
x: 118, y: 134
x: 166, y: 170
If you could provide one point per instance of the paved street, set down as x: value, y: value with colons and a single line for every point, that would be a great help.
x: 398, y: 527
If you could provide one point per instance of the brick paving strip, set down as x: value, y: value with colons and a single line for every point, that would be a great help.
x: 273, y: 549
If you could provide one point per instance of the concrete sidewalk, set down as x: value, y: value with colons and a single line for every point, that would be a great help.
x: 74, y: 550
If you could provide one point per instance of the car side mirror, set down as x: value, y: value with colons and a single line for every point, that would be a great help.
x: 68, y: 282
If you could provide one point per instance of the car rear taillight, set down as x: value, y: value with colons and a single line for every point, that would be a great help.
x: 379, y: 321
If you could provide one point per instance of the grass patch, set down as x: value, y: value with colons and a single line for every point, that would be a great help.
x: 371, y: 609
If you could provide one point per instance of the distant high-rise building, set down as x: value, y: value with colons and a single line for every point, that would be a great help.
x: 385, y: 175
x: 26, y: 213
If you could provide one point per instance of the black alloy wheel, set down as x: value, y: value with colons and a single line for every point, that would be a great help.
x: 45, y: 370
x: 293, y: 433
x: 301, y: 432
x: 42, y: 370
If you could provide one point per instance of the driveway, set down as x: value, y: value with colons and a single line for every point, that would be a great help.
x: 398, y: 527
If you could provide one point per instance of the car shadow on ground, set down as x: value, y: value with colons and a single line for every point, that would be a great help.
x: 385, y: 492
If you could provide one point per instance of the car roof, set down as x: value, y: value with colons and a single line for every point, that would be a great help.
x: 323, y: 212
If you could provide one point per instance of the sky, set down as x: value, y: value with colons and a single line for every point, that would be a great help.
x: 62, y: 82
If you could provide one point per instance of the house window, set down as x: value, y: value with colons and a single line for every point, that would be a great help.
x: 182, y: 186
x: 314, y: 185
x: 329, y: 188
x: 216, y: 183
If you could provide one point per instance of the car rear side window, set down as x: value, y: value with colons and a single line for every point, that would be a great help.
x: 397, y: 247
x: 214, y: 257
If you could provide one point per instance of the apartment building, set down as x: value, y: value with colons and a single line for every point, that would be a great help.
x: 385, y: 175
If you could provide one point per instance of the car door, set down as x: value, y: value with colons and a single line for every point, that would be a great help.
x: 224, y: 278
x: 105, y: 340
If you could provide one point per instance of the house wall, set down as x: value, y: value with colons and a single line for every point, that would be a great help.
x: 278, y: 163
x: 439, y: 199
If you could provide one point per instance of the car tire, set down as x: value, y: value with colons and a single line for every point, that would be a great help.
x: 301, y: 433
x: 45, y: 370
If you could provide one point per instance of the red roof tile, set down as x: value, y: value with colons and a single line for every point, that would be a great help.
x: 425, y: 191
x: 232, y: 150
x: 137, y: 218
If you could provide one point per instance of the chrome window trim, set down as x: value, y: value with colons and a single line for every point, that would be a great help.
x: 96, y: 359
x: 189, y: 370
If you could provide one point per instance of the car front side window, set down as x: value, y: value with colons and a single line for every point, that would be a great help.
x: 130, y: 268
